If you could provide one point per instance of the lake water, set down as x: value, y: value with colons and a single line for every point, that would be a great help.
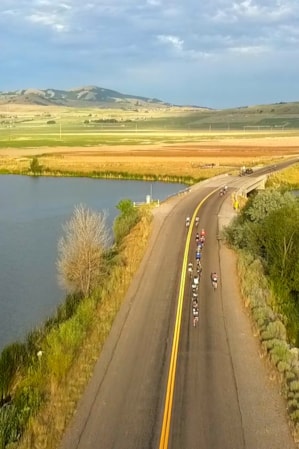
x: 32, y: 212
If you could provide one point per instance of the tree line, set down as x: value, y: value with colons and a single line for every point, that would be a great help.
x: 268, y: 229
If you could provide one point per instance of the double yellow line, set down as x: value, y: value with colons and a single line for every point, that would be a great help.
x: 174, y: 353
x: 164, y: 438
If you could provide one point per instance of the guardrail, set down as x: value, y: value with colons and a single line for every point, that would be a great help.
x: 158, y: 201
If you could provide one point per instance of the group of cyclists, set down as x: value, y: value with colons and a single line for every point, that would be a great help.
x: 195, y: 272
x: 188, y: 221
x: 223, y: 191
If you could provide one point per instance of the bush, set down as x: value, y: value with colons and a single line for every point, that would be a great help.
x: 295, y: 416
x: 12, y: 357
x: 267, y: 228
x: 275, y: 329
x: 35, y: 166
x: 125, y: 221
x: 280, y: 353
x: 283, y: 367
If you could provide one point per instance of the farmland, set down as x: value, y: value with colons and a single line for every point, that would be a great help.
x: 169, y: 141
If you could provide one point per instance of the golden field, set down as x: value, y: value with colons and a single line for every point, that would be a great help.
x: 163, y: 141
x: 183, y: 159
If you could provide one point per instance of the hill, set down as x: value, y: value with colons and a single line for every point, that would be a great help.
x: 93, y: 107
x: 268, y: 117
x: 87, y: 96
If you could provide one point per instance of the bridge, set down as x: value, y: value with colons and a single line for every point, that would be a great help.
x: 251, y: 183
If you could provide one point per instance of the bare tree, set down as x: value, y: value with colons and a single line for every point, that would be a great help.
x: 81, y: 250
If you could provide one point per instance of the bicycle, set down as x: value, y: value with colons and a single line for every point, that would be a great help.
x: 214, y: 280
x: 215, y: 285
x: 190, y: 269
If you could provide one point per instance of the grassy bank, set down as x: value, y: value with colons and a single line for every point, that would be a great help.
x: 269, y: 326
x: 63, y: 355
x: 107, y: 174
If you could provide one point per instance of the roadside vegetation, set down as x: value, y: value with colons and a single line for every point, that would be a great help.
x: 266, y: 237
x: 42, y: 378
x: 168, y: 172
x: 286, y: 179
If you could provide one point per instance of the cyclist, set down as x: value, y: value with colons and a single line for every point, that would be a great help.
x: 196, y: 221
x: 195, y: 316
x: 196, y: 280
x: 198, y: 255
x: 214, y: 276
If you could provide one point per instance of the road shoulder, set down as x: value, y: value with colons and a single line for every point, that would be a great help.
x: 262, y: 407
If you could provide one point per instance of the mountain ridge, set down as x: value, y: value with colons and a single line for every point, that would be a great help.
x: 86, y: 96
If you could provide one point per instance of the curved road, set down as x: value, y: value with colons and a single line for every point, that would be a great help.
x: 218, y: 368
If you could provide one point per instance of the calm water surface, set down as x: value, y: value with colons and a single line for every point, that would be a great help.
x: 32, y: 212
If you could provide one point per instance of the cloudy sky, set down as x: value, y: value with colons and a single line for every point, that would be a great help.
x: 215, y: 53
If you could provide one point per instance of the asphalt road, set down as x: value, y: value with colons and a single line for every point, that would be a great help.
x: 219, y: 370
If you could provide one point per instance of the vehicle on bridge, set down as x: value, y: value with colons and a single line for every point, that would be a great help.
x: 245, y: 171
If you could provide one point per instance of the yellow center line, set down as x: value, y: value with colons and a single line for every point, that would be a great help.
x: 164, y: 438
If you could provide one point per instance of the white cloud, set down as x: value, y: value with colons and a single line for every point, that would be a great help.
x: 174, y: 41
x: 51, y: 20
x: 249, y: 50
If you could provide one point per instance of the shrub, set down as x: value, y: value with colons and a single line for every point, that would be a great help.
x: 292, y: 405
x: 295, y: 416
x: 126, y: 220
x: 280, y: 353
x: 290, y: 376
x: 283, y: 367
x: 35, y: 166
x: 275, y: 329
x: 261, y: 316
x: 294, y: 385
x: 11, y: 359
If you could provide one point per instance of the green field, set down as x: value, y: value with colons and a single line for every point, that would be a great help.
x: 69, y: 126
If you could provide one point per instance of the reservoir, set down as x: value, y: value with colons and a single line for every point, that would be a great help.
x: 32, y: 213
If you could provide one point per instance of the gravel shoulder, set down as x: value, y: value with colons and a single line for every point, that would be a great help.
x: 262, y: 407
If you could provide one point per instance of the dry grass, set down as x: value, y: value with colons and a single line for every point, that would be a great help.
x: 175, y: 159
x: 288, y: 177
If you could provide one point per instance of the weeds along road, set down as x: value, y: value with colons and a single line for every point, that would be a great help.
x: 218, y: 367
